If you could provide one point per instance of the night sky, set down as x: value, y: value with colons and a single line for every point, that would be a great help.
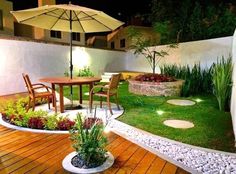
x: 118, y: 9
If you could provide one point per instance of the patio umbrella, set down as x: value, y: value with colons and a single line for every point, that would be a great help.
x: 68, y: 18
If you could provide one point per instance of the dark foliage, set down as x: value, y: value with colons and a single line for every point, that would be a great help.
x: 194, y: 21
x: 65, y: 124
x: 36, y: 123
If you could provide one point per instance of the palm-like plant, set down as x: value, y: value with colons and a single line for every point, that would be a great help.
x: 89, y: 143
x: 222, y: 81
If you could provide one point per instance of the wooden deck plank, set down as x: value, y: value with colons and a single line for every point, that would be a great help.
x: 169, y: 168
x: 40, y: 160
x: 33, y: 157
x: 132, y: 162
x: 144, y: 164
x: 35, y: 143
x: 157, y: 166
x: 52, y: 161
x: 181, y: 171
x: 31, y: 152
x: 122, y: 158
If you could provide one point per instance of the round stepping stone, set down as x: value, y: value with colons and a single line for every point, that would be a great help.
x: 180, y: 124
x: 180, y: 102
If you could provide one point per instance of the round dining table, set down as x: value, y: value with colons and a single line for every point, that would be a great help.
x: 67, y: 81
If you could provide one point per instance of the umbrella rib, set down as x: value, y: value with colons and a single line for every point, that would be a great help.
x: 97, y: 20
x: 44, y: 13
x: 79, y: 21
x: 64, y: 11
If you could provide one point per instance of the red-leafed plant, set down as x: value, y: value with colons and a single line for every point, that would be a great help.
x: 65, y: 124
x: 149, y: 77
x: 89, y: 122
x: 36, y: 122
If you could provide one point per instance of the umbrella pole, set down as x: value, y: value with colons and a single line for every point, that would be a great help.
x: 71, y: 65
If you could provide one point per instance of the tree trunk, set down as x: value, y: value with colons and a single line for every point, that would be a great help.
x: 154, y: 64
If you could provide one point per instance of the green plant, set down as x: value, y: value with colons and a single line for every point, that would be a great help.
x: 89, y: 143
x: 147, y: 47
x: 85, y: 72
x: 222, y: 81
x: 51, y: 122
x: 66, y: 73
x: 192, y: 77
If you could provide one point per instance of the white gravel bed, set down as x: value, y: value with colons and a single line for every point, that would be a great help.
x: 191, y: 158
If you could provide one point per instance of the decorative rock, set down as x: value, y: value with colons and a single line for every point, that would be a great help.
x: 66, y: 163
x: 181, y: 124
x: 181, y: 102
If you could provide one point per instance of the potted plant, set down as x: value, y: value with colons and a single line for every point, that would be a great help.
x: 90, y: 155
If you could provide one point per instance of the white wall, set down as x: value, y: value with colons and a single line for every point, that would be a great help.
x: 233, y: 95
x: 41, y: 59
x: 205, y: 52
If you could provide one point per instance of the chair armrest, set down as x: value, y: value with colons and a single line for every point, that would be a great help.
x: 99, y: 86
x: 40, y: 85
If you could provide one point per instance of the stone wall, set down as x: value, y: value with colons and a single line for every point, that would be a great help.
x: 156, y: 88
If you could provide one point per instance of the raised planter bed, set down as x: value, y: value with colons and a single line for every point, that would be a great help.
x: 155, y: 88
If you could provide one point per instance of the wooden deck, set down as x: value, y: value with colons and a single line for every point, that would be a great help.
x: 25, y: 152
x: 32, y: 153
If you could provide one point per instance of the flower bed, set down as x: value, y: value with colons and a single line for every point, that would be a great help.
x: 155, y: 85
x: 15, y: 114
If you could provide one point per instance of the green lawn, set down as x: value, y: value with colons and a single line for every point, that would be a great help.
x: 213, y: 129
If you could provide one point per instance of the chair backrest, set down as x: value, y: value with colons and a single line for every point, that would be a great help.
x: 114, y: 81
x: 28, y: 83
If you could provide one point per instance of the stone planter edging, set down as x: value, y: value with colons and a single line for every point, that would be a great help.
x: 156, y: 88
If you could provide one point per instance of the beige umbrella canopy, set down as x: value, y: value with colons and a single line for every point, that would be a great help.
x: 60, y: 17
x: 68, y: 18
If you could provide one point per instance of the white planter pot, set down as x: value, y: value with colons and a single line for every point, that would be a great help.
x: 66, y: 163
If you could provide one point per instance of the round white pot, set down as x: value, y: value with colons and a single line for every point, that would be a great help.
x: 66, y: 163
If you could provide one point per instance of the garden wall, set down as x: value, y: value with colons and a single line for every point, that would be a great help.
x: 233, y: 95
x: 43, y: 59
x: 204, y: 51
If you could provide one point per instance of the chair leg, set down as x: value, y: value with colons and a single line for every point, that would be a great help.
x: 109, y: 104
x: 117, y: 103
x: 100, y: 102
x: 33, y: 107
x: 48, y: 102
x: 29, y: 103
x: 90, y: 102
x: 54, y: 100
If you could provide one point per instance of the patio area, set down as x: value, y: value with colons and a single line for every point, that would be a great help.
x: 25, y: 152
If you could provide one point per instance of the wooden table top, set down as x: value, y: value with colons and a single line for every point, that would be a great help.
x: 68, y: 80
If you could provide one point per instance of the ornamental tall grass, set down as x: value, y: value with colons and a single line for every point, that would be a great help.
x: 222, y: 81
x: 197, y: 80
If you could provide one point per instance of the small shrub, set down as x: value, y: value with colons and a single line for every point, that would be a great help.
x: 89, y: 144
x: 51, y: 122
x: 85, y: 72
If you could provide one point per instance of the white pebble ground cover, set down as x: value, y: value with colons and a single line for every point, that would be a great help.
x: 191, y: 158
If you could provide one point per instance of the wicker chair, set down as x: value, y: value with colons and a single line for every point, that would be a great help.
x: 40, y: 91
x: 106, y: 91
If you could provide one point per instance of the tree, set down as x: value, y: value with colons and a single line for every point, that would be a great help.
x: 147, y: 46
